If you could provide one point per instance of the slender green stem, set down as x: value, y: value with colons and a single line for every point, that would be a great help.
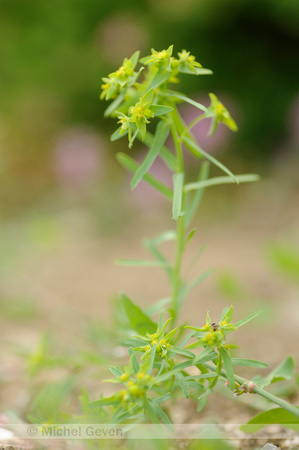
x: 194, y: 122
x: 257, y: 390
x: 177, y: 268
x: 180, y: 234
x: 219, y: 367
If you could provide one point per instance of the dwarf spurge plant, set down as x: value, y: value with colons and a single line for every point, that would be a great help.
x: 161, y: 352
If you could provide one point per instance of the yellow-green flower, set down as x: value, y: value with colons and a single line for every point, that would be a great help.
x: 159, y: 59
x: 186, y: 63
x: 124, y: 76
x: 219, y: 113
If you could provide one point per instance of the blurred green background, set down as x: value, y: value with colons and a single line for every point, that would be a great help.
x: 54, y: 53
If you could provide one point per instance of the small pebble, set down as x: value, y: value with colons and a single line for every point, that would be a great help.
x: 269, y: 447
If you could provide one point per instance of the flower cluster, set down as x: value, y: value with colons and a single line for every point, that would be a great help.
x: 186, y: 63
x: 219, y: 113
x: 134, y: 389
x: 138, y: 115
x: 213, y: 335
x: 121, y: 78
x: 159, y: 59
x: 158, y: 341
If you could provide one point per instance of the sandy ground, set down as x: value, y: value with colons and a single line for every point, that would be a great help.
x: 76, y: 280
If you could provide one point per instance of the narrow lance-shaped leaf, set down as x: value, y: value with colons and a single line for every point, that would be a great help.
x: 160, y: 257
x: 165, y: 153
x: 227, y: 317
x: 202, y: 176
x: 184, y: 98
x: 160, y: 110
x: 159, y: 78
x: 248, y: 178
x: 247, y: 319
x: 132, y: 166
x: 115, y: 371
x: 183, y: 384
x: 248, y: 362
x: 178, y: 184
x: 199, y: 152
x: 228, y: 367
x: 198, y: 280
x: 134, y: 361
x: 113, y: 400
x: 140, y: 322
x: 162, y: 132
x: 118, y: 134
x: 182, y: 351
x: 114, y: 105
x: 162, y: 415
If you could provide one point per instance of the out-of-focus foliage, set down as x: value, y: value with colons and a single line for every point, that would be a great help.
x: 53, y: 55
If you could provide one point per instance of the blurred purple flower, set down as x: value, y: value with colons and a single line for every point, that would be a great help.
x: 121, y: 34
x: 76, y: 157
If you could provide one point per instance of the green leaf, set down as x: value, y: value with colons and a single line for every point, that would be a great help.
x: 202, y: 176
x: 202, y: 376
x: 183, y: 384
x: 159, y: 412
x: 165, y: 153
x: 199, y: 153
x: 169, y: 235
x: 150, y: 244
x: 134, y: 361
x: 122, y: 415
x: 160, y: 77
x: 248, y: 362
x: 118, y: 134
x: 107, y: 401
x: 159, y: 110
x: 151, y: 360
x: 190, y: 236
x: 203, y: 71
x: 182, y: 351
x: 148, y: 96
x: 170, y: 335
x: 141, y: 127
x: 150, y: 411
x: 140, y: 322
x: 182, y: 97
x: 162, y: 132
x: 134, y: 59
x: 114, y: 105
x: 115, y: 371
x: 205, y: 356
x: 282, y: 372
x: 178, y: 184
x: 247, y: 319
x: 227, y: 317
x: 198, y: 280
x: 158, y: 306
x: 228, y: 367
x: 162, y: 399
x: 276, y: 415
x: 248, y: 178
x: 132, y: 166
